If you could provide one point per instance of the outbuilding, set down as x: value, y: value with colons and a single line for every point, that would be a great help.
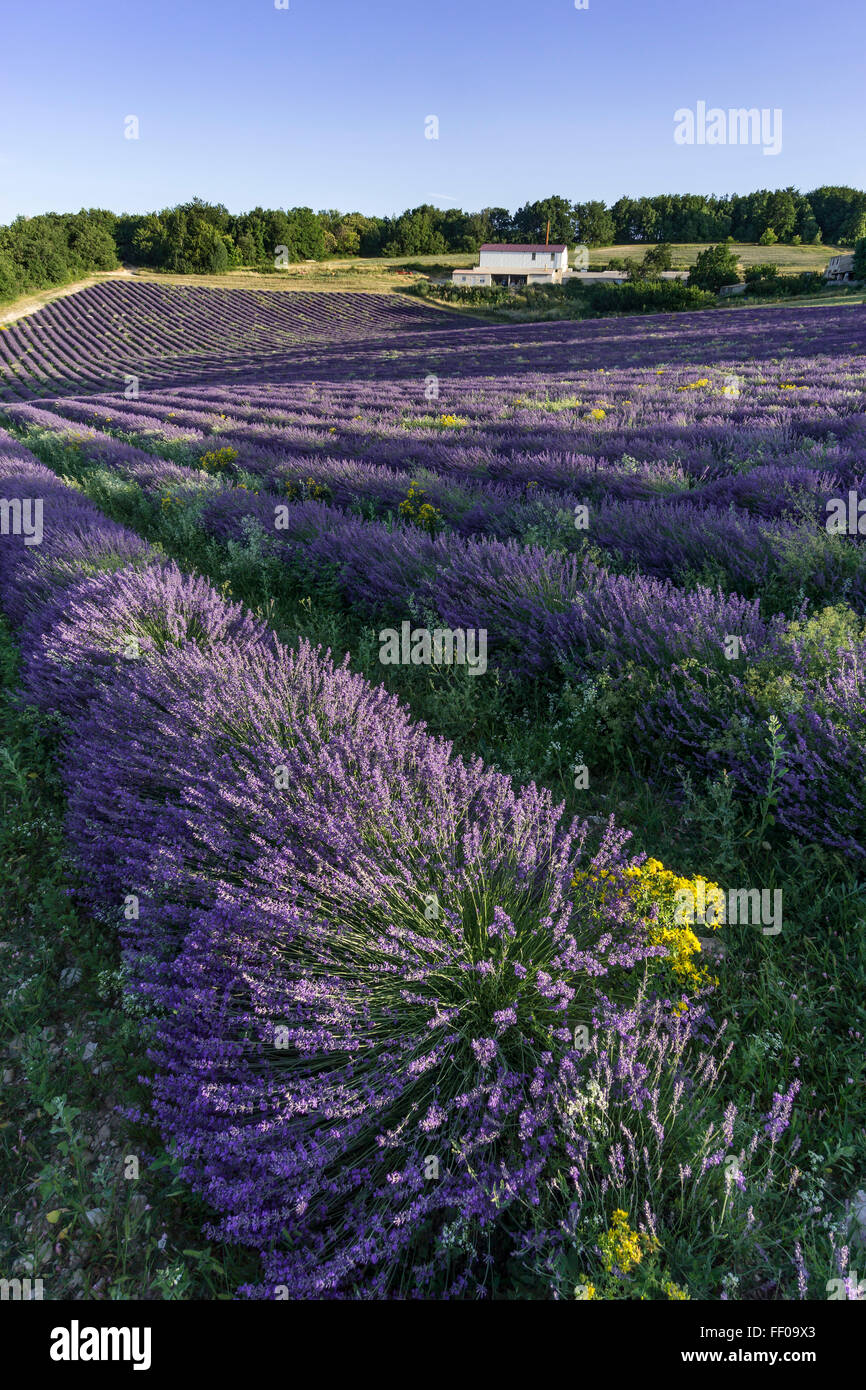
x: 516, y: 263
x: 840, y: 268
x: 475, y: 276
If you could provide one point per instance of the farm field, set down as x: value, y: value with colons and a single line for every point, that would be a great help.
x: 791, y: 260
x: 532, y: 973
x: 366, y: 275
x: 380, y: 272
x: 387, y: 275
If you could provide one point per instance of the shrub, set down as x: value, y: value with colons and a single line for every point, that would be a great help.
x: 645, y: 297
x: 714, y: 267
x: 658, y: 257
x: 766, y: 270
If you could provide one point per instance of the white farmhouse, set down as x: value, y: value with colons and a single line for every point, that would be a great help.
x: 504, y: 263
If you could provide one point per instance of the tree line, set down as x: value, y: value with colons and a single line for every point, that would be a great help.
x: 57, y: 248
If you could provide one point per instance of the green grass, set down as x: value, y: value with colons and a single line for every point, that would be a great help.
x: 790, y: 259
x: 371, y: 274
x: 828, y: 299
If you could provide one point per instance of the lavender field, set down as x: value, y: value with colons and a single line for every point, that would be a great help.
x: 453, y: 736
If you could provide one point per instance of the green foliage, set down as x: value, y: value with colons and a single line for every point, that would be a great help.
x: 771, y: 283
x: 477, y: 296
x: 593, y: 224
x: 636, y: 270
x: 715, y: 267
x: 574, y: 299
x: 658, y: 257
x: 765, y: 271
x: 530, y: 221
x: 644, y: 297
x: 860, y: 258
x: 37, y: 253
x: 841, y: 214
x: 205, y: 238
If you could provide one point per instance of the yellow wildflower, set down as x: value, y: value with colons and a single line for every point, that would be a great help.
x: 218, y: 459
x: 663, y: 898
x: 673, y: 1291
x: 621, y: 1247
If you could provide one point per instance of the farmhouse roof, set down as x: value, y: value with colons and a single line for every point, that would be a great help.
x: 523, y: 246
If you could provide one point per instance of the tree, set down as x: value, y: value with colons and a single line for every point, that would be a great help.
x: 373, y: 236
x: 208, y: 252
x: 530, y: 221
x: 147, y: 242
x: 350, y: 231
x: 91, y: 243
x: 781, y: 213
x: 593, y: 224
x: 835, y: 209
x: 305, y: 239
x: 626, y: 220
x: 715, y: 267
x: 416, y: 232
x: 807, y: 224
x: 860, y: 259
x: 658, y: 258
x: 10, y: 283
x: 500, y: 224
x: 853, y: 228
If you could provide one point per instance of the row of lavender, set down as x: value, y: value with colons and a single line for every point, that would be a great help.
x: 758, y: 529
x: 666, y: 459
x: 365, y: 958
x: 701, y: 426
x: 702, y: 672
x: 154, y: 327
x: 96, y: 337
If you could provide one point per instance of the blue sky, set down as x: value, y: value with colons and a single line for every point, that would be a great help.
x: 324, y: 104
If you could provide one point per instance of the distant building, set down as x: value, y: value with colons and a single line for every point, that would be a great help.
x: 589, y: 277
x: 504, y: 263
x: 475, y: 276
x: 840, y: 268
x: 619, y: 277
